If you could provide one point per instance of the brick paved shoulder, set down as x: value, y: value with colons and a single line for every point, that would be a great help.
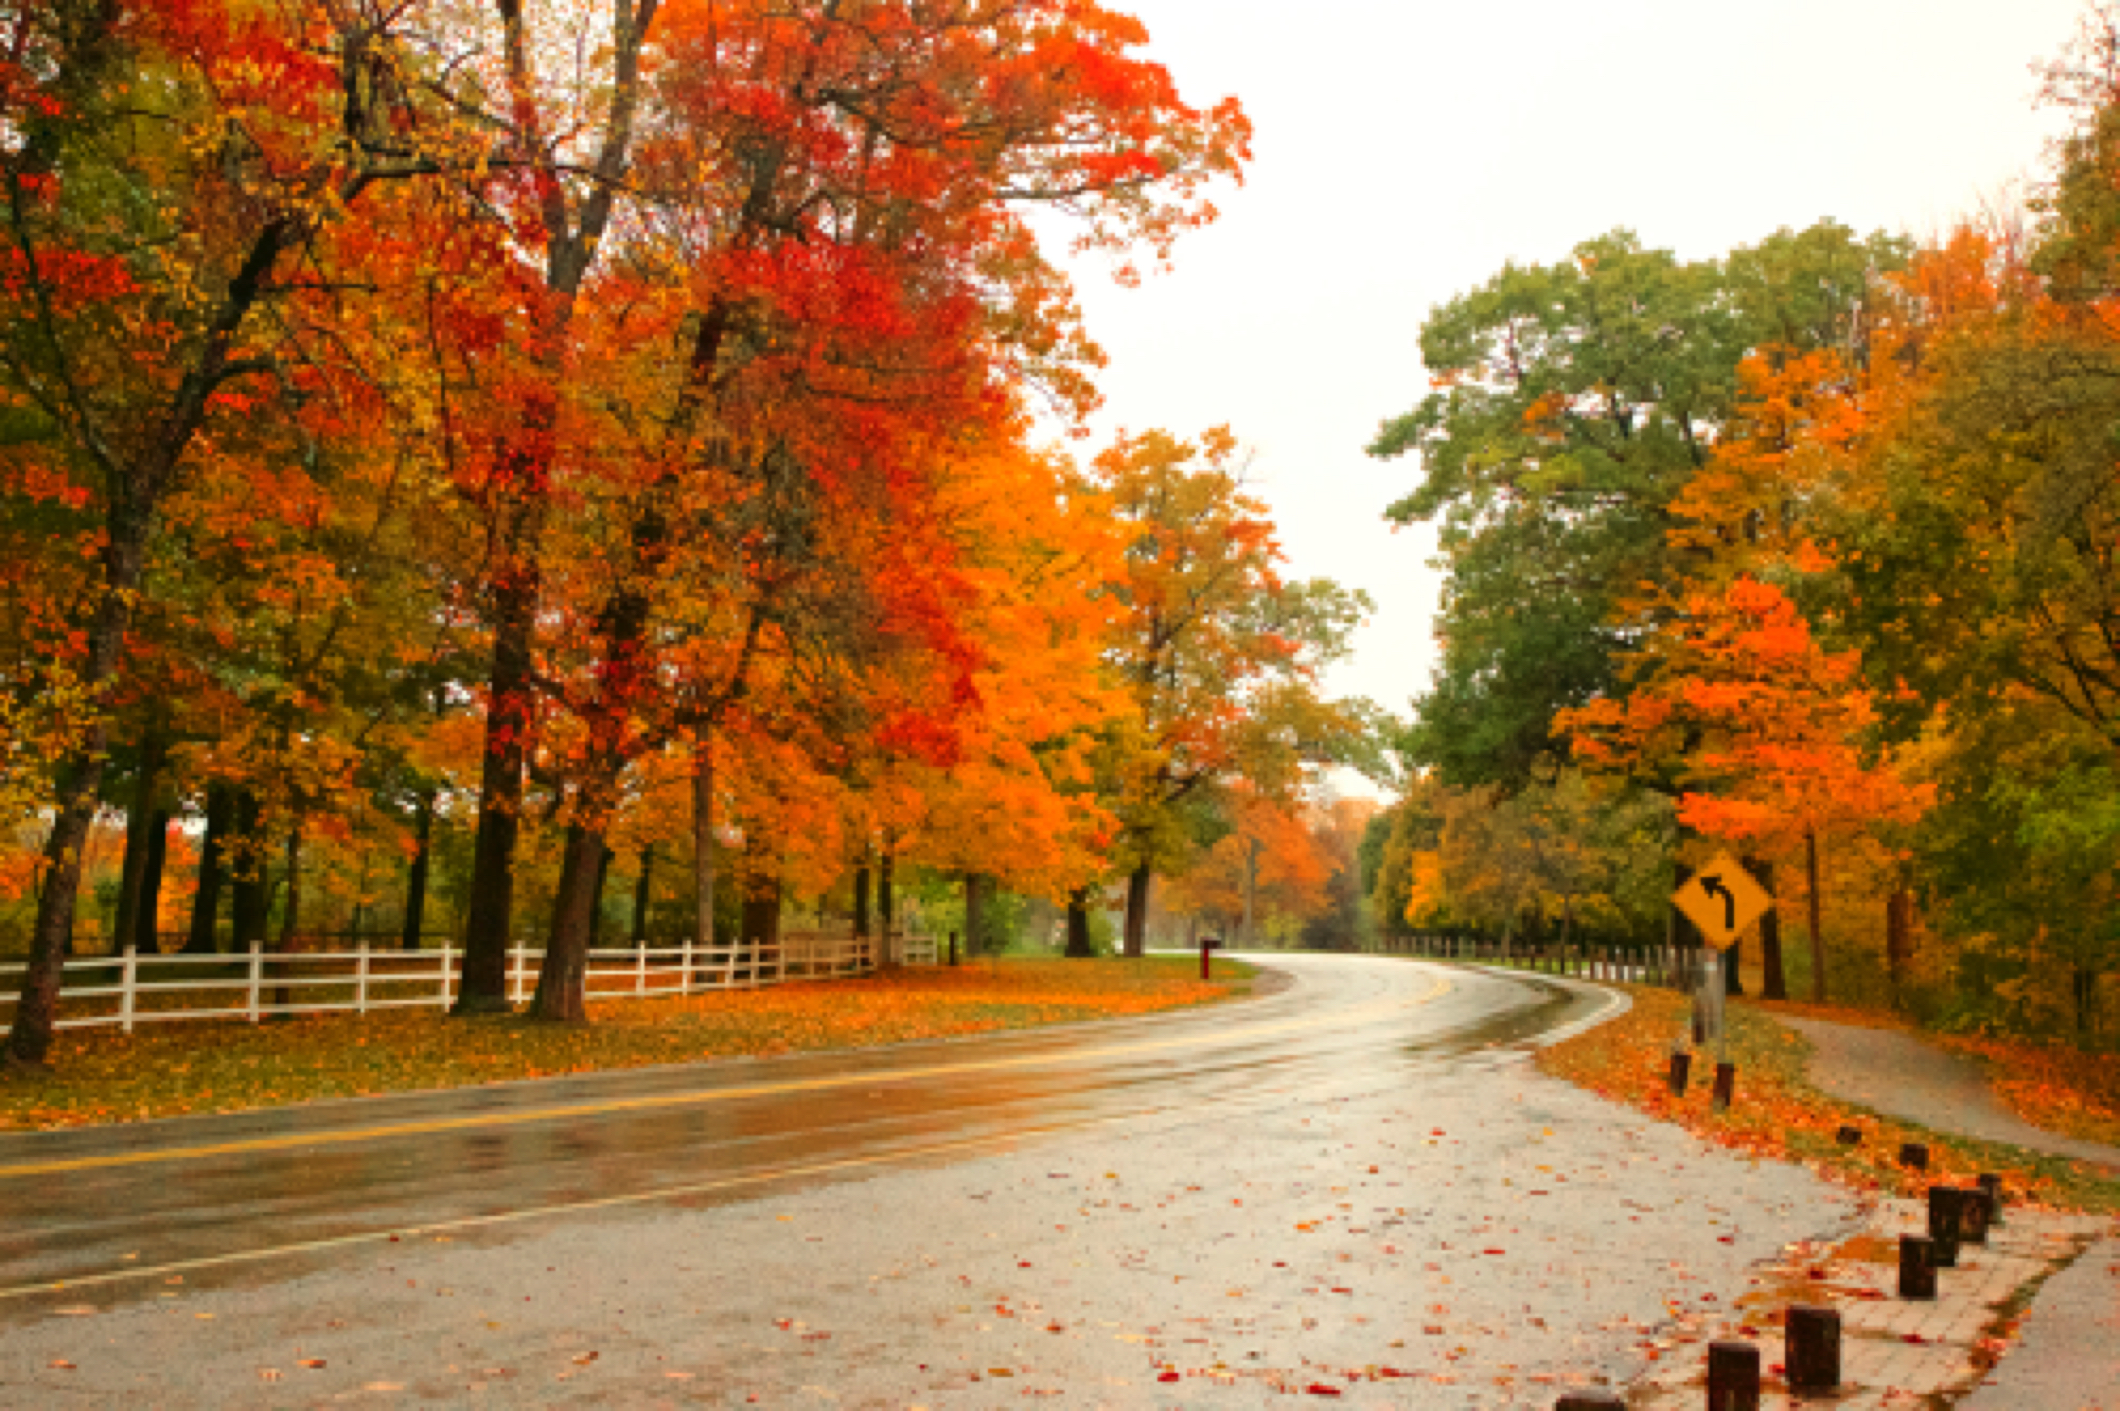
x: 1896, y: 1352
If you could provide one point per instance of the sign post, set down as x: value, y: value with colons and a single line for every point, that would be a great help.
x: 1723, y: 901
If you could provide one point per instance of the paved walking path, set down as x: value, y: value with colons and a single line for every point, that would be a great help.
x: 2069, y: 1355
x: 1898, y: 1074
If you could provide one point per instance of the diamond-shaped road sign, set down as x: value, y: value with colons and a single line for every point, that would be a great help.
x: 1723, y: 900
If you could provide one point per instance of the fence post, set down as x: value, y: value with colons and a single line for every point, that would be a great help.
x: 360, y: 980
x: 127, y: 977
x: 684, y: 960
x: 640, y: 971
x: 448, y: 975
x: 257, y: 974
x: 515, y: 974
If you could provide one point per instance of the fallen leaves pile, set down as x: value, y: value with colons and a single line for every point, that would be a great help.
x: 173, y: 1069
x: 1778, y: 1115
x: 2059, y: 1088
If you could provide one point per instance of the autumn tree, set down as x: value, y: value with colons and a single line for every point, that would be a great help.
x: 849, y: 303
x: 1221, y: 654
x: 168, y: 170
x: 1267, y: 874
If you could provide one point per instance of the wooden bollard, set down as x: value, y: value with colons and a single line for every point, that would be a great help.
x: 1914, y: 1155
x: 1946, y: 1225
x: 1812, y: 1358
x: 1849, y: 1136
x: 1972, y: 1216
x: 1733, y: 1376
x: 1725, y: 1086
x: 1991, y: 1187
x: 1590, y: 1401
x: 1681, y: 1066
x: 1917, y: 1267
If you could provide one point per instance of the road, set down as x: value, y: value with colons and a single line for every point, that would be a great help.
x: 1356, y: 1176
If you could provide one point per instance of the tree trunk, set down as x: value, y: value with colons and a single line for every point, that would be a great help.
x: 596, y: 898
x: 213, y: 869
x: 562, y: 976
x: 1251, y: 894
x: 1078, y: 942
x: 500, y: 808
x: 1137, y: 884
x: 1774, y: 983
x: 861, y: 899
x: 761, y: 916
x: 1733, y: 961
x: 886, y: 897
x: 146, y: 934
x: 282, y: 995
x: 140, y: 822
x: 641, y: 897
x: 416, y: 875
x: 1818, y: 933
x: 761, y: 892
x: 1898, y: 935
x: 291, y: 920
x: 703, y: 841
x: 978, y: 886
x: 247, y: 896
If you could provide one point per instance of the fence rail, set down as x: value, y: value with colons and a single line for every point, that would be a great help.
x: 1678, y: 967
x: 131, y: 988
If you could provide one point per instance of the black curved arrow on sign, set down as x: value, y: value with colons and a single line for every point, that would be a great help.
x: 1713, y: 886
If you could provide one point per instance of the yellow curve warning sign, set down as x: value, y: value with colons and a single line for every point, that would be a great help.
x: 1723, y: 900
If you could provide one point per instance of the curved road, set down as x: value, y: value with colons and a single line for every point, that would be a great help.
x: 1216, y: 1205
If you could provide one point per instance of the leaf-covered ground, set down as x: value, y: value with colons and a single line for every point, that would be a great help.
x: 1779, y: 1114
x: 167, y: 1070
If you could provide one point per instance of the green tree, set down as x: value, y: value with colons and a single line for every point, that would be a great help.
x: 1572, y: 403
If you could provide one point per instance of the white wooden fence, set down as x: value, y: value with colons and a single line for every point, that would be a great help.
x: 129, y: 988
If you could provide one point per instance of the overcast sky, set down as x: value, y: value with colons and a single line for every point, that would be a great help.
x: 1406, y: 149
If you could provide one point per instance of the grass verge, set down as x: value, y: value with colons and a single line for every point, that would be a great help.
x: 178, y: 1068
x: 1779, y: 1115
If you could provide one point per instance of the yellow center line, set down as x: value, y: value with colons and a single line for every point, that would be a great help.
x: 1438, y: 987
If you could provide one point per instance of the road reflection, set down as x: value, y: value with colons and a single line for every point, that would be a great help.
x: 718, y: 1132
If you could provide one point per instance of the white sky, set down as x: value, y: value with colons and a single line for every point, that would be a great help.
x: 1406, y: 148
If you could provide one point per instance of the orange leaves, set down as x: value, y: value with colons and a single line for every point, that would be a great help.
x: 1740, y: 702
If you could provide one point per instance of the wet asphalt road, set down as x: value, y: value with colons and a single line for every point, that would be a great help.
x: 1359, y: 1175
